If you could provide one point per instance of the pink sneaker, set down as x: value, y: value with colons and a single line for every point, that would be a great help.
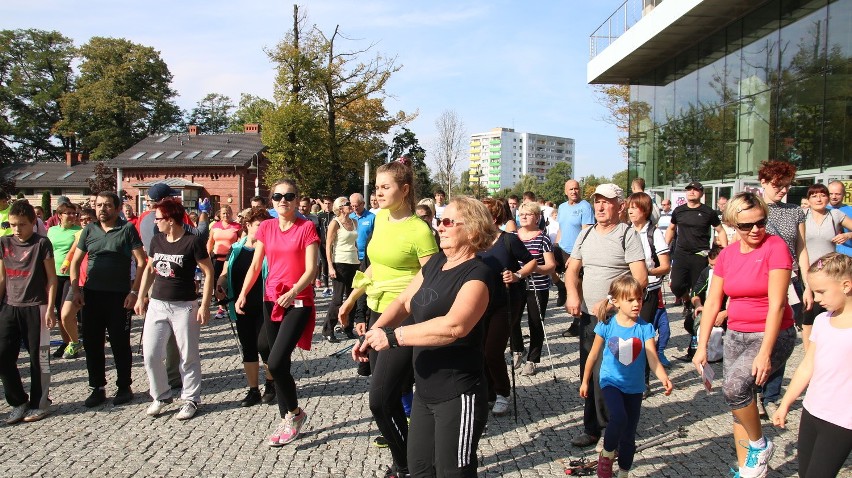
x: 605, y: 462
x: 288, y: 429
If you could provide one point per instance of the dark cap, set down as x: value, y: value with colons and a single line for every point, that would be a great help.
x: 694, y: 185
x: 159, y: 191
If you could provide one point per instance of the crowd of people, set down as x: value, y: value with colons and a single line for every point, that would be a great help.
x: 433, y: 292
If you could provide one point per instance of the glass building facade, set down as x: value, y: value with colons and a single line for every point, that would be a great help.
x: 774, y: 84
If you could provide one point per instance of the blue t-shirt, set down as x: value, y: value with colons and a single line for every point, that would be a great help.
x: 572, y: 218
x: 365, y: 230
x: 846, y: 247
x: 624, y: 357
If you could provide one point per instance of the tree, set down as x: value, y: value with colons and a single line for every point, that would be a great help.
x: 406, y: 142
x: 35, y: 72
x: 104, y: 179
x: 620, y: 180
x: 250, y: 110
x: 553, y: 187
x: 46, y: 203
x: 449, y: 146
x: 320, y: 84
x: 590, y: 182
x: 123, y: 94
x: 212, y: 114
x: 527, y: 182
x: 464, y: 188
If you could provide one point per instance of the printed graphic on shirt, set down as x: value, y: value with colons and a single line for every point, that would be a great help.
x: 425, y: 296
x: 625, y: 351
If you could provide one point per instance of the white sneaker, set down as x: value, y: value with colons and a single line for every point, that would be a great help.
x: 36, y: 414
x: 188, y: 410
x: 157, y: 406
x: 17, y: 414
x: 757, y: 460
x: 529, y: 369
x: 501, y: 406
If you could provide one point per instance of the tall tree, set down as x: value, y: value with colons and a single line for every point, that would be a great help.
x: 212, y: 114
x: 123, y: 94
x: 406, y: 142
x: 103, y: 179
x: 553, y: 187
x: 35, y: 71
x: 250, y: 110
x: 449, y: 146
x: 319, y: 82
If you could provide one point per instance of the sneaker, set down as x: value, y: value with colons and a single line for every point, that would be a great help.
x: 327, y: 293
x: 623, y: 473
x: 253, y: 397
x: 332, y: 339
x: 517, y: 359
x: 17, y: 414
x: 157, y: 406
x: 561, y: 294
x: 36, y: 414
x: 757, y: 460
x: 664, y: 361
x: 97, y: 397
x: 573, y: 330
x: 397, y: 472
x: 72, y: 350
x: 60, y: 349
x: 380, y: 442
x: 288, y: 429
x: 268, y: 396
x: 501, y: 406
x: 338, y: 329
x: 122, y: 396
x: 220, y: 314
x: 605, y: 462
x: 188, y: 410
x: 585, y: 440
x: 529, y: 369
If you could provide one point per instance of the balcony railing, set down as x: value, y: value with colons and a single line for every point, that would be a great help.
x: 627, y: 15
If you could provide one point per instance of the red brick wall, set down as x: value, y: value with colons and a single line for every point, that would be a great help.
x: 220, y: 182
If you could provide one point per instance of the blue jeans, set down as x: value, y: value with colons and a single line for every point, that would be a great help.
x: 620, y: 433
x: 772, y: 387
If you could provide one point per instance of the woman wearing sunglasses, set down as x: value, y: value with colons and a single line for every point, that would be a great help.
x: 754, y: 273
x: 341, y: 248
x: 446, y: 300
x: 290, y: 245
x: 401, y: 243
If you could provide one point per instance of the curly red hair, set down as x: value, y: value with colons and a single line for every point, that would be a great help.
x: 776, y: 171
x: 171, y: 208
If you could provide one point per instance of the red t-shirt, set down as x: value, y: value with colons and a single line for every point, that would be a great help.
x: 746, y: 283
x: 285, y: 256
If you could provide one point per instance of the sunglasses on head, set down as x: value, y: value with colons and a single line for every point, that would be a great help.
x: 286, y: 196
x: 447, y: 222
x: 748, y: 226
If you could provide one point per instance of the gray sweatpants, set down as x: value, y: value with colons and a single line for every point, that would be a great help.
x: 163, y: 319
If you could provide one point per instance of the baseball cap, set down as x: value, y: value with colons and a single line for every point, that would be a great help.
x: 695, y: 185
x: 609, y: 190
x: 159, y: 191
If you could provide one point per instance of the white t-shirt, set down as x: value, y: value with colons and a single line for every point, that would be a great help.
x: 660, y: 246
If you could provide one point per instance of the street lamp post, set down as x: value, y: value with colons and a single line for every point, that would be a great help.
x: 253, y: 168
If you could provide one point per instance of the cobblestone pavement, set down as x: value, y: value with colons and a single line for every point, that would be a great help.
x: 226, y: 440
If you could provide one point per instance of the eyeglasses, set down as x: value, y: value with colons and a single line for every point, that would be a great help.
x: 71, y: 213
x: 158, y: 219
x: 526, y: 214
x: 346, y: 204
x: 779, y: 187
x: 748, y: 226
x: 447, y: 222
x: 277, y: 197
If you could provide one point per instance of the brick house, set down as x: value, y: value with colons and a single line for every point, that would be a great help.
x: 226, y: 167
x: 69, y: 178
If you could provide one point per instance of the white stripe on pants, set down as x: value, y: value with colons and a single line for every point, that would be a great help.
x: 163, y: 319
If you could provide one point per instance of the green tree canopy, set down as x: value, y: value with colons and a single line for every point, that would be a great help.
x: 553, y: 187
x: 123, y: 94
x: 212, y: 114
x: 406, y: 142
x: 35, y: 72
x: 250, y: 110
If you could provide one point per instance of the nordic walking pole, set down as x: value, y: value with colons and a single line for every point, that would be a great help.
x: 543, y: 328
x: 511, y: 348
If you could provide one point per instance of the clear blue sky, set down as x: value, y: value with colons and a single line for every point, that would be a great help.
x: 515, y: 64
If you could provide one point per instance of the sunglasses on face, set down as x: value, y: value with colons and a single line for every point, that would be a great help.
x: 277, y: 197
x: 748, y: 226
x: 447, y: 222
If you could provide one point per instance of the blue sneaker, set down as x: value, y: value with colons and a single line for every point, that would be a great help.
x: 663, y: 360
x: 757, y: 460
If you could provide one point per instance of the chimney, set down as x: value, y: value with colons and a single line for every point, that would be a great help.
x: 82, y: 157
x: 193, y: 130
x: 70, y: 158
x: 252, y: 128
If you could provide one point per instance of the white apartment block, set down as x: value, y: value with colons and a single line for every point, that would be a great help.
x: 500, y: 157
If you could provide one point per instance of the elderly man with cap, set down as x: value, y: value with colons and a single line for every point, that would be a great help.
x: 692, y: 224
x: 605, y: 251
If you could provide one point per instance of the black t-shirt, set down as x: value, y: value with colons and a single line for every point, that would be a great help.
x: 693, y: 228
x: 239, y: 269
x: 508, y: 253
x: 445, y: 372
x: 26, y: 277
x: 174, y: 266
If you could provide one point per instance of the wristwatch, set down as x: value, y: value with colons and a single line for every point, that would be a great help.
x: 519, y: 276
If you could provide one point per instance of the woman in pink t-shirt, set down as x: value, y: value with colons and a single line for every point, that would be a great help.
x: 223, y: 234
x: 754, y: 273
x: 291, y: 247
x: 825, y: 431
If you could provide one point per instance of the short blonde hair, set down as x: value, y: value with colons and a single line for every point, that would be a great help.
x: 476, y: 220
x: 531, y: 207
x: 742, y: 202
x: 338, y: 203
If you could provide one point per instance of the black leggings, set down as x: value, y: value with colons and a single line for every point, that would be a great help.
x: 445, y: 436
x: 252, y: 336
x: 823, y: 446
x: 497, y: 328
x: 342, y: 288
x: 685, y: 271
x: 620, y: 433
x: 534, y: 318
x: 392, y: 371
x: 283, y: 337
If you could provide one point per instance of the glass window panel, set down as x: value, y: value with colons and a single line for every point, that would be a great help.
x: 733, y: 60
x: 800, y: 123
x: 686, y: 85
x: 840, y: 36
x: 760, y: 47
x: 665, y: 95
x: 803, y: 37
x: 712, y: 77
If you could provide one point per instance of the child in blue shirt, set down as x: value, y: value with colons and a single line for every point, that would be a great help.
x: 627, y: 342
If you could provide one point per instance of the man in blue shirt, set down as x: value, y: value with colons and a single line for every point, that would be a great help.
x: 573, y: 216
x: 836, y: 195
x: 365, y: 221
